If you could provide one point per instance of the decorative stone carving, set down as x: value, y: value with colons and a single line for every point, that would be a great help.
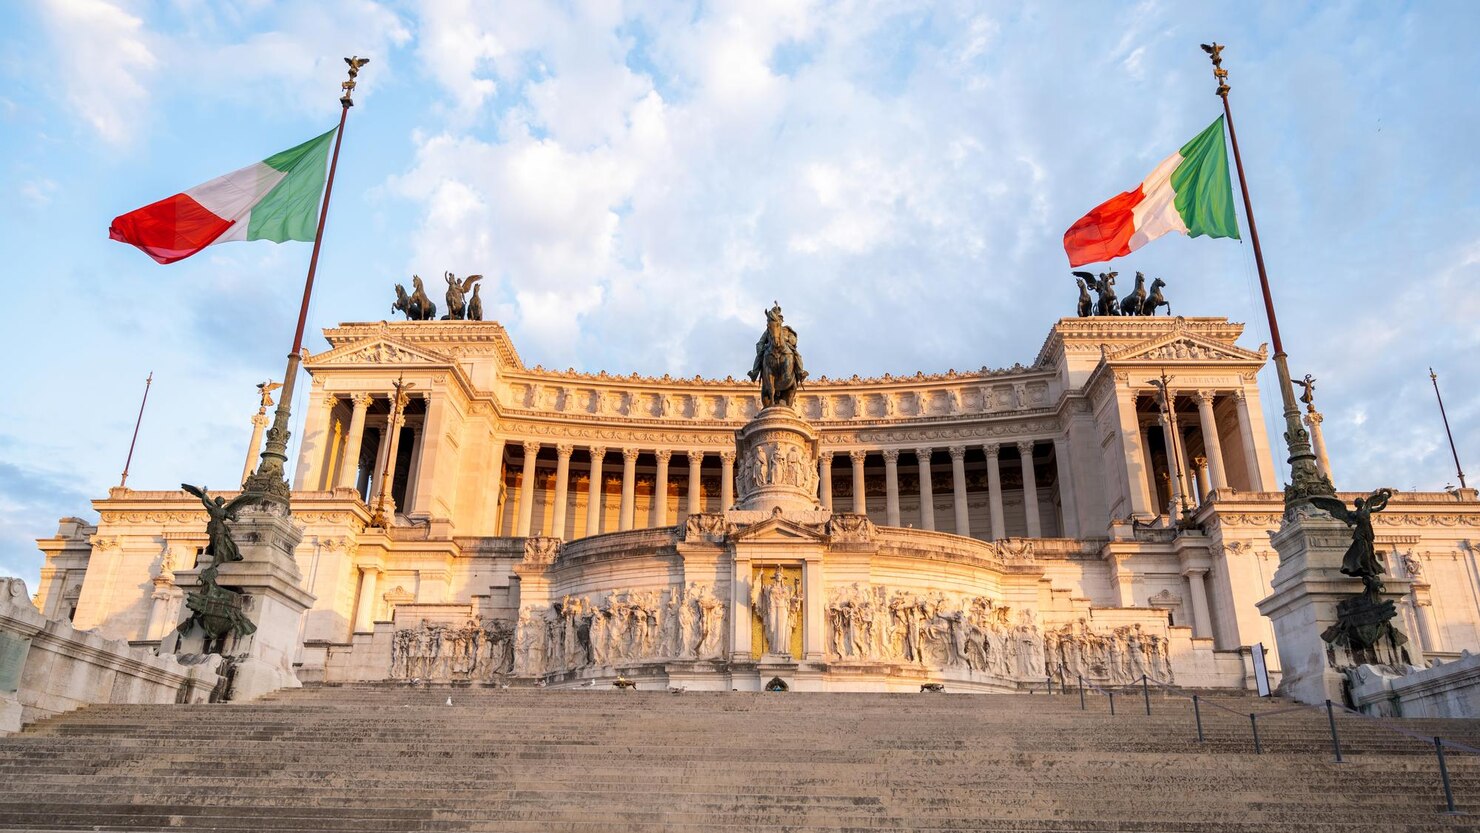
x: 540, y: 552
x: 706, y: 527
x: 776, y: 462
x: 849, y: 528
x: 624, y: 627
x: 440, y: 652
x: 1119, y: 656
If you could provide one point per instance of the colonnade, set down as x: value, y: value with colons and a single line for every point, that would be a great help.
x: 531, y: 490
x: 1195, y: 462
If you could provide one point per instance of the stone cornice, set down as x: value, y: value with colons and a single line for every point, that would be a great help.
x: 1081, y: 335
x: 457, y: 339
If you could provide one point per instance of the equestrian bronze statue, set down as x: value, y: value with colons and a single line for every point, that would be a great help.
x: 778, y: 365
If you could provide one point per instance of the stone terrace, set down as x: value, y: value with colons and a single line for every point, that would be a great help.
x: 378, y: 758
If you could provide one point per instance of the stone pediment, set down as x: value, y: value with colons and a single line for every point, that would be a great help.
x: 377, y: 351
x: 1180, y: 346
x: 779, y: 529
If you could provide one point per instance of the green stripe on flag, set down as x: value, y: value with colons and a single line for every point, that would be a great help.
x: 1204, y: 191
x: 290, y: 211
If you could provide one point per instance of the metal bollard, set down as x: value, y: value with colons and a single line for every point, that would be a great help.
x: 1112, y: 701
x: 1081, y: 694
x: 1444, y: 774
x: 1197, y: 715
x: 1335, y: 738
x: 1254, y: 722
x: 1146, y: 693
x: 1050, y: 683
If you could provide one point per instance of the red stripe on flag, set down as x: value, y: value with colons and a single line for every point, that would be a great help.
x: 1105, y: 232
x: 169, y: 230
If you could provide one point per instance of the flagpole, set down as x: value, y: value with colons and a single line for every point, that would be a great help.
x: 1306, y: 478
x: 269, y: 482
x: 1434, y: 377
x: 140, y: 421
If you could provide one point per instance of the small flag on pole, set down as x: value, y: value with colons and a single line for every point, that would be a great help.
x: 276, y: 199
x: 1189, y: 192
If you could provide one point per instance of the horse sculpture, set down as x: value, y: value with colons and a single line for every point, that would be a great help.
x: 422, y: 308
x: 1086, y: 303
x: 778, y: 366
x: 403, y: 302
x: 1132, y: 303
x: 1156, y: 299
x: 1139, y: 302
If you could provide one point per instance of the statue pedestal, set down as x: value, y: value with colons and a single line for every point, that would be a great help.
x: 273, y: 600
x: 1308, y: 588
x: 776, y: 463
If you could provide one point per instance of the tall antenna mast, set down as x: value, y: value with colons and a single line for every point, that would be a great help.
x: 150, y: 381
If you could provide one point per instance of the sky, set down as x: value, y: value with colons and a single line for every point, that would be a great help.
x: 638, y: 181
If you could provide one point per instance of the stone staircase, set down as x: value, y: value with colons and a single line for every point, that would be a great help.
x: 382, y: 759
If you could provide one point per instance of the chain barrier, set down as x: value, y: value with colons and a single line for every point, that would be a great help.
x: 1440, y: 744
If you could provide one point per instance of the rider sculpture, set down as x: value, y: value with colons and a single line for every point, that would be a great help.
x: 778, y: 365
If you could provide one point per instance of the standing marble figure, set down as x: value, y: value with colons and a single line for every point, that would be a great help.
x: 777, y: 603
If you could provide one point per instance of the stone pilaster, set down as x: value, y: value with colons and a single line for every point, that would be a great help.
x: 825, y: 479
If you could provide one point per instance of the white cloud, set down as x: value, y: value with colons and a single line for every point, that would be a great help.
x: 105, y: 62
x: 38, y: 191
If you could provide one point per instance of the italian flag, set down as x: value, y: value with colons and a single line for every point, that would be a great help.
x: 276, y: 199
x: 1189, y: 192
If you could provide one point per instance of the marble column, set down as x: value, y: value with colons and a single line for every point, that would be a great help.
x: 595, y: 497
x: 1313, y: 421
x: 629, y: 486
x: 1174, y: 471
x: 1030, y: 490
x: 365, y: 614
x: 1212, y: 444
x: 254, y: 449
x: 313, y: 452
x: 958, y: 489
x: 994, y: 490
x: 493, y: 489
x: 382, y: 448
x: 526, y: 489
x: 1246, y: 439
x: 927, y: 488
x: 1200, y: 477
x: 891, y: 486
x: 825, y: 480
x: 660, y: 489
x: 562, y: 486
x: 1202, y: 622
x: 392, y: 451
x: 696, y: 486
x: 726, y: 480
x: 349, y: 467
x: 860, y: 500
x: 1067, y: 499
